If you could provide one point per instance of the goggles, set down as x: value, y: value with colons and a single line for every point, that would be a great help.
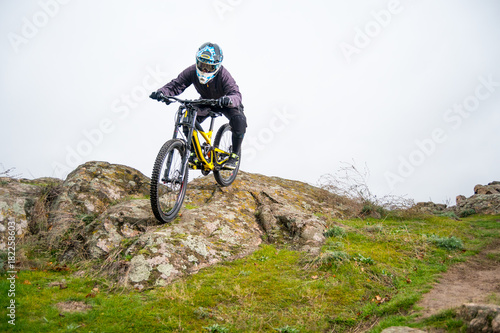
x: 206, y: 68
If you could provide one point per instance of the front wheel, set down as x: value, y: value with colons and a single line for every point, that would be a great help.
x: 223, y: 141
x: 169, y: 181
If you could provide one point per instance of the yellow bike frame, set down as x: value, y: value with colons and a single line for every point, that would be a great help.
x: 207, y: 136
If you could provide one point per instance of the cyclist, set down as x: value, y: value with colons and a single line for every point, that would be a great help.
x: 212, y: 81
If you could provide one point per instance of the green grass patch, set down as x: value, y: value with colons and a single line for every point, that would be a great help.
x: 449, y: 243
x: 362, y: 276
x: 335, y: 231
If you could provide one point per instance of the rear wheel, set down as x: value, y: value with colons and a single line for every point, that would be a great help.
x: 223, y: 140
x: 169, y: 181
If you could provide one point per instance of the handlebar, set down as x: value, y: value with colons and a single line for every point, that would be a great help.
x: 209, y: 102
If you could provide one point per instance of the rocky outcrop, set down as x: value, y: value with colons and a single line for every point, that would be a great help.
x: 429, y: 207
x: 102, y: 212
x: 87, y: 193
x: 18, y: 204
x: 481, y: 317
x: 486, y: 200
x: 491, y: 188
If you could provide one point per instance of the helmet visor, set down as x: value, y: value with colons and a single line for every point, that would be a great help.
x: 206, y: 68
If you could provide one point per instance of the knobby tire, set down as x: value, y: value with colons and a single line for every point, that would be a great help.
x: 223, y: 141
x: 169, y: 181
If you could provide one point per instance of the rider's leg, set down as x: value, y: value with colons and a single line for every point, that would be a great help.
x: 238, y: 132
x: 238, y: 123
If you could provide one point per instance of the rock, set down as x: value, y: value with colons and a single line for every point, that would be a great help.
x: 217, y: 224
x: 486, y: 200
x: 102, y: 212
x: 460, y: 200
x: 123, y: 221
x: 86, y: 193
x: 488, y: 204
x: 491, y: 188
x: 401, y: 329
x: 429, y: 207
x: 18, y: 200
x: 495, y: 324
x: 481, y: 317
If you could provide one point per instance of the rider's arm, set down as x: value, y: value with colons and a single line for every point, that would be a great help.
x: 179, y: 84
x: 230, y: 88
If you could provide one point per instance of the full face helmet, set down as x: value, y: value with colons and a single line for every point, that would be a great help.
x: 208, y: 61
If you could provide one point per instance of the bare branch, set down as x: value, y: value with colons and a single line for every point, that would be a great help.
x: 8, y: 172
x: 352, y: 182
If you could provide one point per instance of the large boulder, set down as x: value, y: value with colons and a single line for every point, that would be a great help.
x: 481, y: 317
x: 86, y: 193
x: 216, y: 224
x: 102, y: 212
x: 429, y: 207
x: 486, y: 200
x: 491, y: 188
x: 19, y: 200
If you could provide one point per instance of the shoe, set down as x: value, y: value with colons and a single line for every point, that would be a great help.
x: 192, y: 158
x: 232, y: 162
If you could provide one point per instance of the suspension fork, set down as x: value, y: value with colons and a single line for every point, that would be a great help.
x: 190, y: 123
x: 179, y: 123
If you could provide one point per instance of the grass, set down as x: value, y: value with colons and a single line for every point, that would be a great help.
x: 361, y: 279
x: 335, y: 231
x: 449, y: 243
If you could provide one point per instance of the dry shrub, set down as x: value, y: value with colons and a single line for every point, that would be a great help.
x: 8, y: 172
x: 38, y: 224
x: 344, y: 207
x: 40, y: 239
x: 350, y: 183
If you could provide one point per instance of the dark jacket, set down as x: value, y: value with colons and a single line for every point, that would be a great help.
x: 222, y: 84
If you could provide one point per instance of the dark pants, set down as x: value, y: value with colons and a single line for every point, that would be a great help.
x: 238, y: 123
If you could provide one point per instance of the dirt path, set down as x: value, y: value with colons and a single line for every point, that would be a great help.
x: 474, y: 281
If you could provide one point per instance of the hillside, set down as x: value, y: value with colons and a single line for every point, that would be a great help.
x: 335, y: 265
x: 102, y: 211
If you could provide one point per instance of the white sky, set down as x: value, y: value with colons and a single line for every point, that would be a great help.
x: 379, y: 83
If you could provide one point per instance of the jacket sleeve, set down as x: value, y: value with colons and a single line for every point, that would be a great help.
x: 231, y: 89
x: 179, y: 84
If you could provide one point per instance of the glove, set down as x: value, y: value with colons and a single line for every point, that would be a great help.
x: 157, y: 95
x: 224, y: 101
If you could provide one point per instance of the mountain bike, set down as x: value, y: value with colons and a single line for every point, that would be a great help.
x: 185, y: 151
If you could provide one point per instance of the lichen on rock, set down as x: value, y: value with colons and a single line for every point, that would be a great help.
x: 140, y: 269
x: 19, y: 200
x: 102, y: 212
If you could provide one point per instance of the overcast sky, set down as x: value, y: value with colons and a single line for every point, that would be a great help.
x: 408, y: 89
